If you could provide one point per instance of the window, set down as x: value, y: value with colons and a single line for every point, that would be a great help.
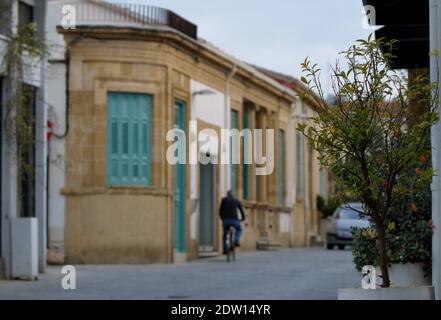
x: 25, y: 13
x: 246, y: 167
x: 129, y: 139
x: 299, y: 164
x: 233, y: 148
x: 281, y: 167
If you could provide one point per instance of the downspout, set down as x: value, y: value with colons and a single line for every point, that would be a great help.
x: 291, y: 170
x: 67, y: 63
x: 58, y: 136
x: 305, y: 186
x: 66, y: 129
x: 47, y: 192
x: 434, y: 20
x: 227, y: 108
x: 298, y: 119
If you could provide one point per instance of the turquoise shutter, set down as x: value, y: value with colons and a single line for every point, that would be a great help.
x: 143, y: 154
x: 246, y: 167
x: 233, y: 147
x: 128, y: 139
x: 280, y: 166
x: 113, y: 144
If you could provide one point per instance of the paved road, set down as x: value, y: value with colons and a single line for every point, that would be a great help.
x: 306, y: 273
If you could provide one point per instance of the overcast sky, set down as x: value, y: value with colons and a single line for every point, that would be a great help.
x: 275, y: 34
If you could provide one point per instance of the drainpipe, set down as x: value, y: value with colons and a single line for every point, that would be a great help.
x: 227, y: 184
x: 292, y: 169
x: 435, y: 23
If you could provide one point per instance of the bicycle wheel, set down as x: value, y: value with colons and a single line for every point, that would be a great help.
x: 232, y: 246
x: 228, y: 245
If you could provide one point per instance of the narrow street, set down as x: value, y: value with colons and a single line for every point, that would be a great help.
x: 304, y: 273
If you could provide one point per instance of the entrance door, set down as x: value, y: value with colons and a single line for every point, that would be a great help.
x: 179, y: 187
x: 207, y: 209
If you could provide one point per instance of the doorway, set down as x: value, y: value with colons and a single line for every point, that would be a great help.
x: 179, y: 186
x: 207, y: 210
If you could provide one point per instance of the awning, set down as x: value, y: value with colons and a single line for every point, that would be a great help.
x: 408, y: 22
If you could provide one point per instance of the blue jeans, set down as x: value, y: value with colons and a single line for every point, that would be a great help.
x: 236, y: 225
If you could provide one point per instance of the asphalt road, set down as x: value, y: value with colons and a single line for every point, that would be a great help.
x: 304, y: 273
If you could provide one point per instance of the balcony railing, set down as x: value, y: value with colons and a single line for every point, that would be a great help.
x: 131, y: 14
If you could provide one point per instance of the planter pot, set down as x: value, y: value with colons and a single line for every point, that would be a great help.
x: 407, y: 275
x: 393, y: 293
x: 407, y: 283
x: 24, y: 243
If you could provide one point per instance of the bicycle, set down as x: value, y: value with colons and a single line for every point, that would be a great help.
x: 231, y: 245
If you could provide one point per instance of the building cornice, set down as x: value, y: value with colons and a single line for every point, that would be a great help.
x: 198, y: 49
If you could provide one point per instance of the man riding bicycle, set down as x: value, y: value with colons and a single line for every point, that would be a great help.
x: 229, y: 216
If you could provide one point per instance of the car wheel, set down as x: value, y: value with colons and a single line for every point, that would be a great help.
x: 341, y: 246
x: 329, y: 246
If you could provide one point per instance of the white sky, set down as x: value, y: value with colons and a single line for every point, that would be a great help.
x: 275, y: 34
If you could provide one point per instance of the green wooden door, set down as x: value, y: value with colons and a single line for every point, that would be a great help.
x: 207, y: 209
x: 280, y: 167
x: 246, y: 167
x: 179, y: 186
x: 234, y: 151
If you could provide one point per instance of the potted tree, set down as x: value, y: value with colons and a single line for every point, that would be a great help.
x: 22, y: 60
x: 367, y: 139
x: 409, y: 238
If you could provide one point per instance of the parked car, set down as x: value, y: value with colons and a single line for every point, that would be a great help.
x: 338, y: 231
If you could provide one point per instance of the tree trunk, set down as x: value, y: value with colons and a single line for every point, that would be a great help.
x: 381, y: 234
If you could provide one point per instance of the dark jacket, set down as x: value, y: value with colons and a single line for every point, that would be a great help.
x: 228, y: 208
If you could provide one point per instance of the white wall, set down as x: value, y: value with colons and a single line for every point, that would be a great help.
x: 53, y: 19
x: 56, y: 100
x: 55, y: 39
x: 209, y: 108
x: 56, y: 84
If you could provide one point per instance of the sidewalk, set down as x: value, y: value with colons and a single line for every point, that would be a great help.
x: 304, y: 273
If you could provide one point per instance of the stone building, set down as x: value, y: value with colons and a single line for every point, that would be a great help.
x: 133, y: 73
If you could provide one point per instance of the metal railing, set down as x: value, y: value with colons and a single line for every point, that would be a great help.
x: 129, y: 14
